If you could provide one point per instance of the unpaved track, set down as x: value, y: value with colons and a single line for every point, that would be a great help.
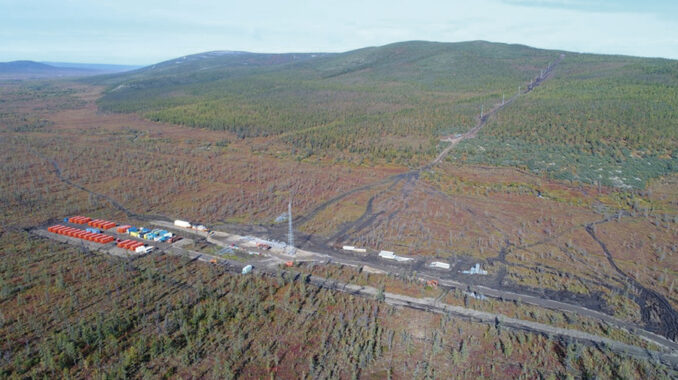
x: 431, y: 305
x: 656, y: 311
x: 482, y: 121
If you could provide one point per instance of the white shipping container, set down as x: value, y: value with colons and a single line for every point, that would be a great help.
x: 387, y: 255
x: 143, y: 249
x: 441, y: 265
x: 182, y: 223
x: 348, y: 248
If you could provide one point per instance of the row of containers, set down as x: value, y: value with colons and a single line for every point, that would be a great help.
x: 80, y: 234
x: 96, y: 223
x: 134, y: 246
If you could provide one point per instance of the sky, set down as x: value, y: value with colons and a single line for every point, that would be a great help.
x: 141, y: 32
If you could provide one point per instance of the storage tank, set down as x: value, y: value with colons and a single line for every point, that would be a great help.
x: 182, y: 223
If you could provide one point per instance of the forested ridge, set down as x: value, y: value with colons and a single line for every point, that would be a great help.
x: 392, y: 103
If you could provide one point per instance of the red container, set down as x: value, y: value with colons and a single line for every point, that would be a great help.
x: 79, y: 219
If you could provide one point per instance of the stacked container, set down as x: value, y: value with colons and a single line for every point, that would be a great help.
x: 79, y: 219
x: 103, y: 224
x: 130, y: 245
x: 80, y: 234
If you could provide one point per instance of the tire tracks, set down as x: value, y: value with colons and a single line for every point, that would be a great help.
x: 656, y: 311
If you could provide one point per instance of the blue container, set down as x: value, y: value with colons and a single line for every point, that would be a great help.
x: 132, y: 229
x: 65, y: 220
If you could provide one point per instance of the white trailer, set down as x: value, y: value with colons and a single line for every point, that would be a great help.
x: 387, y: 255
x: 143, y: 249
x: 182, y: 223
x: 440, y: 265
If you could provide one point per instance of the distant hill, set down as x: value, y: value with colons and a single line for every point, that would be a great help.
x: 38, y: 70
x: 98, y: 67
x: 596, y: 119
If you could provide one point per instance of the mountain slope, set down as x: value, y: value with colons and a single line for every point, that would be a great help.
x: 391, y: 103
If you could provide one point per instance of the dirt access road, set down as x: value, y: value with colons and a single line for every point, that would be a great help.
x: 484, y: 118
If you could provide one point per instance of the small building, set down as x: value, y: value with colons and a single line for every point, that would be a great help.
x: 476, y: 269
